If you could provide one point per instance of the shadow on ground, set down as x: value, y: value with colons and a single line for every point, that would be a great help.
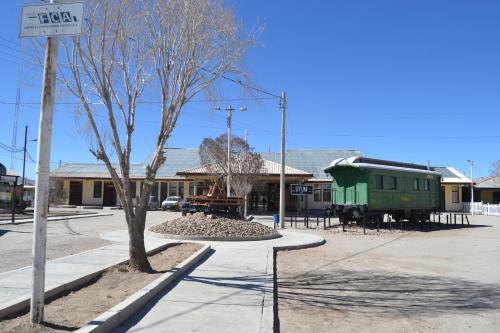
x: 388, y: 293
x: 237, y: 283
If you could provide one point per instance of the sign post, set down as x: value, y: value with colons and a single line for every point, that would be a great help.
x: 51, y: 20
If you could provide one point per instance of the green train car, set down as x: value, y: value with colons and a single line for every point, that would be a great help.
x: 364, y: 189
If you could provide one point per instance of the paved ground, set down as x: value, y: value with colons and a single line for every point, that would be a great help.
x: 64, y: 237
x: 232, y: 290
x: 440, y: 281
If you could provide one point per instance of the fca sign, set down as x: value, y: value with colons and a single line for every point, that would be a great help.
x: 56, y: 17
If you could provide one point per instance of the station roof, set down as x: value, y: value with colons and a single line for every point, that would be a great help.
x: 313, y: 161
x: 176, y: 159
x: 488, y: 182
x: 451, y: 175
x: 269, y: 168
x: 304, y: 161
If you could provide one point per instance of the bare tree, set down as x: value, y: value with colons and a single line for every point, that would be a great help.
x: 495, y: 168
x: 245, y: 164
x: 175, y: 49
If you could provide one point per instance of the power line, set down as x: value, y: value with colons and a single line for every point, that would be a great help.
x: 149, y: 102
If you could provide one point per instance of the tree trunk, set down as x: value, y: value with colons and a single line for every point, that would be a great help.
x: 137, y: 252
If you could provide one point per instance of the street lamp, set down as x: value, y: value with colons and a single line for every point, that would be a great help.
x: 471, y: 162
x: 229, y: 110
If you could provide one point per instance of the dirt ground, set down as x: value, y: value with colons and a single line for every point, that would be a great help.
x: 440, y: 281
x: 65, y: 237
x: 74, y: 310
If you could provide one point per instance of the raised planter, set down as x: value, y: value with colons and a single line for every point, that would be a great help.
x: 214, y: 239
x: 118, y: 314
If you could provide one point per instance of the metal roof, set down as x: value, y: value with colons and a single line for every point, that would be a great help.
x: 176, y: 159
x: 269, y: 168
x: 313, y: 161
x: 371, y: 163
x: 492, y: 182
x: 445, y: 173
x: 306, y: 161
x: 451, y: 175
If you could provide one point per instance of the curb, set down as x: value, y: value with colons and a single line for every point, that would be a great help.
x: 121, y: 312
x: 214, y: 239
x: 300, y: 247
x: 271, y: 321
x: 58, y: 218
x: 21, y: 303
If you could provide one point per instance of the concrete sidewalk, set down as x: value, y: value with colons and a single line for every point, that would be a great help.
x: 232, y: 291
x: 15, y: 285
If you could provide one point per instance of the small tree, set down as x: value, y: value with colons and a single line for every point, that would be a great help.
x: 495, y: 168
x: 245, y: 164
x: 176, y: 49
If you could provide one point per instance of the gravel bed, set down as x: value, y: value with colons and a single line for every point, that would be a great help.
x: 201, y: 225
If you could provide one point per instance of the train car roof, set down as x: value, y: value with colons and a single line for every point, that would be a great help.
x: 372, y: 163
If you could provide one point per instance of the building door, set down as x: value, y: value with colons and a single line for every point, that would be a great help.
x: 75, y: 193
x: 109, y: 194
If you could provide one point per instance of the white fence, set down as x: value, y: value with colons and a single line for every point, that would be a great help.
x: 480, y: 208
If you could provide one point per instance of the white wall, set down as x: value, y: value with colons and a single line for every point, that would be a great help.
x: 448, y: 204
x: 88, y: 194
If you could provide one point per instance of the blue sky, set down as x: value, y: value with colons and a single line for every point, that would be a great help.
x: 402, y: 80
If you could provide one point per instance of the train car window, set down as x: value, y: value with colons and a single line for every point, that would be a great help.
x: 427, y: 185
x: 379, y: 182
x: 415, y: 184
x: 97, y: 189
x: 393, y: 183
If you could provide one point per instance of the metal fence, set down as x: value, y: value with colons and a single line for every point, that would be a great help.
x: 481, y: 208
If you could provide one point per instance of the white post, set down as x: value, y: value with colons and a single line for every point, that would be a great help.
x: 42, y: 180
x: 245, y: 209
x: 472, y: 188
x: 488, y: 209
x: 282, y: 172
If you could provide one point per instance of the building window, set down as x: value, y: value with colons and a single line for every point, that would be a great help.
x: 154, y: 190
x: 379, y: 182
x: 427, y: 185
x: 181, y: 189
x: 393, y: 183
x: 200, y: 186
x: 415, y: 184
x: 133, y: 188
x: 191, y: 188
x: 98, y: 189
x: 317, y: 192
x: 327, y: 191
x: 172, y: 189
x: 454, y: 194
x: 163, y: 190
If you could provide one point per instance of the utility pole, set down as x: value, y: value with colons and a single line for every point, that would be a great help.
x: 229, y: 110
x: 282, y: 173
x: 24, y: 162
x: 245, y: 208
x: 42, y: 179
x: 471, y: 162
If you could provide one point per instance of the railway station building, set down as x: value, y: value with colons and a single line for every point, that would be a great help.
x: 87, y: 184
